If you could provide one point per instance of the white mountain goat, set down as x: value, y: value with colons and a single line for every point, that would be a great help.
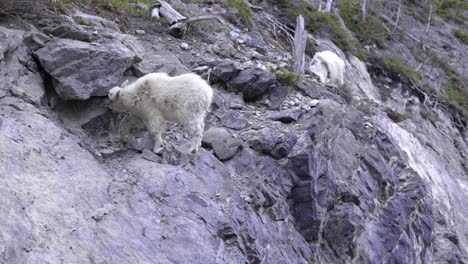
x: 157, y: 98
x: 329, y: 67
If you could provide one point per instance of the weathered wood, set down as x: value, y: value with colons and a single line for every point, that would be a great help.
x: 170, y: 13
x: 328, y: 6
x: 363, y: 9
x: 300, y: 41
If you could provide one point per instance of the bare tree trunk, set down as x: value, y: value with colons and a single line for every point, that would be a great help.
x: 328, y: 6
x: 300, y: 41
x: 364, y: 3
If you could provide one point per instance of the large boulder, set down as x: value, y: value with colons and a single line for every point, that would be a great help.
x: 19, y: 75
x: 80, y: 70
x: 160, y: 61
x: 252, y: 83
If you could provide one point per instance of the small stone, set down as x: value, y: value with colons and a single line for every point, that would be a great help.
x: 184, y: 46
x: 201, y: 69
x: 314, y: 103
x: 233, y: 35
x: 223, y: 143
x: 150, y: 155
x: 140, y: 32
x: 286, y: 116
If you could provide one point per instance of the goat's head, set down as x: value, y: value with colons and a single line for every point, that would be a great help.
x: 114, y: 97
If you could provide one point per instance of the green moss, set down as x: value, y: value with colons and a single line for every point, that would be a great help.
x: 287, y: 77
x: 461, y: 34
x: 402, y: 67
x: 369, y: 32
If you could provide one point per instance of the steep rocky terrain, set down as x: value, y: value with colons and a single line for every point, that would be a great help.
x: 290, y: 171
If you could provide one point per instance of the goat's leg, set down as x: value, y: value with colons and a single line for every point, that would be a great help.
x: 195, y: 130
x: 156, y: 126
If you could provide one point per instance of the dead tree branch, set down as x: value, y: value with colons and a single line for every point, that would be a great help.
x: 428, y: 25
x: 278, y: 30
x: 398, y: 15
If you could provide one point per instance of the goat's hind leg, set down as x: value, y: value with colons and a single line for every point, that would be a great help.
x: 195, y: 131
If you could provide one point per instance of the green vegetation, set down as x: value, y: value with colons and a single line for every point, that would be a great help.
x: 402, y: 67
x: 462, y: 35
x: 456, y: 90
x: 457, y: 94
x: 109, y: 5
x: 326, y: 25
x: 369, y: 32
x: 287, y: 77
x: 83, y: 22
x: 244, y: 11
x: 452, y: 9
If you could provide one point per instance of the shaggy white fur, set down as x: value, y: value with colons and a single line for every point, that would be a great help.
x: 329, y: 67
x: 157, y: 98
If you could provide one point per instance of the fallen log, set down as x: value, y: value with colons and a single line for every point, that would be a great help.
x: 169, y: 13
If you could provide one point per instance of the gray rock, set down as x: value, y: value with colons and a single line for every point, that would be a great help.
x: 233, y: 35
x: 264, y: 82
x: 80, y: 70
x: 277, y: 95
x: 142, y: 142
x: 225, y: 71
x: 262, y: 140
x: 161, y: 61
x: 19, y: 75
x: 243, y: 79
x: 201, y: 69
x: 314, y: 103
x: 254, y: 40
x: 35, y: 41
x: 184, y: 46
x: 234, y: 120
x: 68, y: 32
x: 345, y: 223
x: 224, y: 145
x: 286, y: 116
x: 140, y: 32
x: 148, y: 154
x: 283, y: 148
x: 252, y: 83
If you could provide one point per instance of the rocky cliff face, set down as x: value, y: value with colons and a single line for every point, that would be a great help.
x: 298, y: 173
